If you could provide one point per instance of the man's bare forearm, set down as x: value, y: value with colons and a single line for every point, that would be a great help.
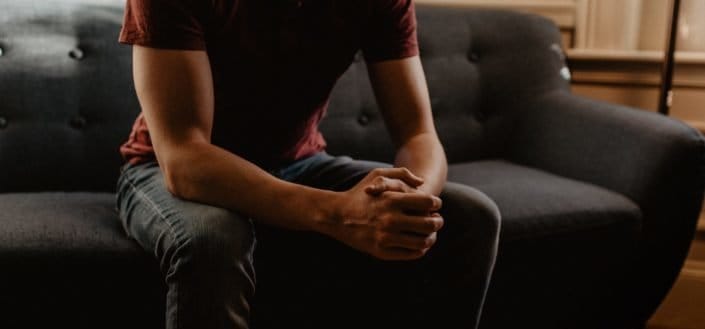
x: 400, y: 87
x: 423, y: 154
x: 205, y: 173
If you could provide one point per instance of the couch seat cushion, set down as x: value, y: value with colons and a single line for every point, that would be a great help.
x: 61, y: 253
x: 559, y: 237
x: 63, y: 224
x: 534, y: 203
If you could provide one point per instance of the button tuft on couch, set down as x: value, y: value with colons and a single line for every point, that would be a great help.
x: 78, y: 122
x: 76, y: 54
x: 363, y: 119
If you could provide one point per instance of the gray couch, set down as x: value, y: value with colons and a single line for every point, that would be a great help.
x: 598, y: 201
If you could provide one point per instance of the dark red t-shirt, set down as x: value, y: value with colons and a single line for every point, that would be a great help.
x: 274, y: 63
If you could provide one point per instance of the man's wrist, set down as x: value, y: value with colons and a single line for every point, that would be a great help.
x: 433, y: 189
x: 326, y: 214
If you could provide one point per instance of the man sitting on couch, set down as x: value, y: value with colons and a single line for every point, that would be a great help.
x: 232, y: 92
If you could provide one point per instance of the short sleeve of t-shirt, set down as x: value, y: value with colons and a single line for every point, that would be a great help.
x: 169, y: 24
x: 391, y: 33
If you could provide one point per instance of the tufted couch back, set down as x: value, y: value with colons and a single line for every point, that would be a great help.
x: 480, y: 65
x: 67, y: 101
x: 66, y: 95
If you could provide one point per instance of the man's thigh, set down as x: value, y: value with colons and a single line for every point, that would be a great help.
x: 163, y: 223
x: 328, y: 172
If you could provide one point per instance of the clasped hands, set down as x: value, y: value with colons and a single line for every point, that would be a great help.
x: 387, y: 216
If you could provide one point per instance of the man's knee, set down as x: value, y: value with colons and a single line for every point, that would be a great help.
x: 210, y: 271
x: 213, y: 240
x: 467, y: 209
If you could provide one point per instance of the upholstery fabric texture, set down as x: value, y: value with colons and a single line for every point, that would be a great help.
x: 599, y: 201
x: 66, y: 262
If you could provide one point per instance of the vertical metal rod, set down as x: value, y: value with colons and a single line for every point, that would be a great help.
x: 666, y: 97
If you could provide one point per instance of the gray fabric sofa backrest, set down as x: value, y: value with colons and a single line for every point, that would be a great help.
x: 481, y: 66
x: 66, y: 95
x: 67, y: 100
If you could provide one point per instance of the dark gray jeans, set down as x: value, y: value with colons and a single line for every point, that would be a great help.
x: 305, y: 280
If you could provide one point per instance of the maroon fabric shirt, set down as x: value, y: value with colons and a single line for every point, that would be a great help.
x: 274, y: 63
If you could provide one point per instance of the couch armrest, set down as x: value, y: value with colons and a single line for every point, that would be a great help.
x: 656, y: 161
x: 627, y: 150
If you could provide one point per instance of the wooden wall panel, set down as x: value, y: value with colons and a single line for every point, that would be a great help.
x: 615, y: 47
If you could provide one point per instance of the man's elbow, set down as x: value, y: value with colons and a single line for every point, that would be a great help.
x: 176, y: 180
x: 180, y: 168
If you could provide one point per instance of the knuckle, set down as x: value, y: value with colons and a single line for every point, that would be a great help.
x: 379, y: 179
x: 429, y: 224
x: 428, y: 242
x: 432, y: 200
x: 385, y: 221
x: 389, y: 200
x: 439, y: 222
x: 382, y: 238
x: 434, y: 224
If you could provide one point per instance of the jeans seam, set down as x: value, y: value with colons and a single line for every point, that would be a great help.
x: 163, y: 217
x: 153, y: 205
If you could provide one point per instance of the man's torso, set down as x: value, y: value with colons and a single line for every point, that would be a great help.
x: 274, y: 64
